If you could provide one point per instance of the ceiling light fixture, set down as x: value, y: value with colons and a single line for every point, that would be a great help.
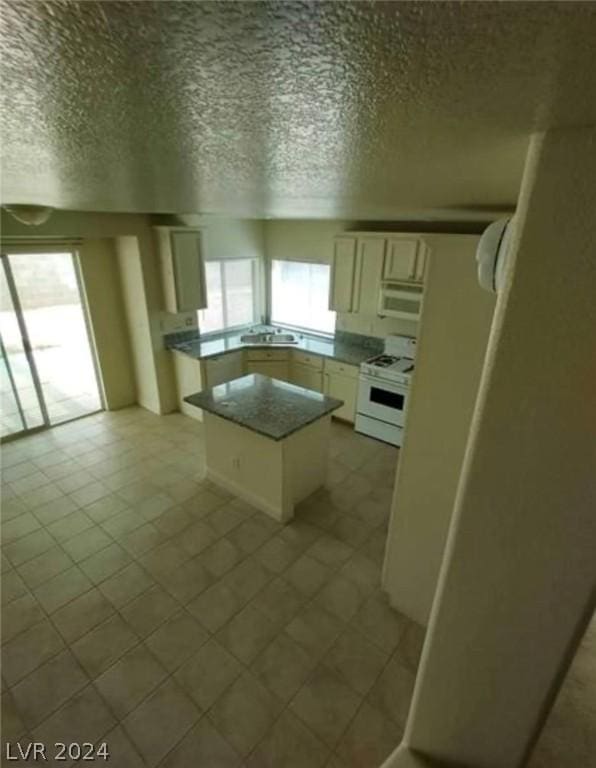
x: 31, y: 215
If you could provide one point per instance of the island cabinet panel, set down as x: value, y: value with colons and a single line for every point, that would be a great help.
x: 188, y: 381
x: 272, y: 475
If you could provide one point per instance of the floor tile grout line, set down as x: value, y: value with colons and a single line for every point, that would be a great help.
x: 273, y: 573
x: 142, y: 641
x: 117, y: 610
x: 135, y: 557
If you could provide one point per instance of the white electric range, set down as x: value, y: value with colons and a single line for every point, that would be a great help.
x: 383, y: 389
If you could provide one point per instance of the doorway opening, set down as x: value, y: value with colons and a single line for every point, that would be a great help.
x: 48, y: 373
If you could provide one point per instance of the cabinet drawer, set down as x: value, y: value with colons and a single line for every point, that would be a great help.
x: 334, y: 366
x: 304, y: 358
x: 226, y: 358
x: 267, y: 354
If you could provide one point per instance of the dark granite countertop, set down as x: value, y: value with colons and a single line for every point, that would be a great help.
x: 268, y: 406
x: 347, y: 348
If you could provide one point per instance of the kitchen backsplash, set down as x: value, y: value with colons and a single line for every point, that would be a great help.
x: 374, y: 343
x: 178, y: 337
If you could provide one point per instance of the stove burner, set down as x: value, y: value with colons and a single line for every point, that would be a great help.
x: 383, y: 361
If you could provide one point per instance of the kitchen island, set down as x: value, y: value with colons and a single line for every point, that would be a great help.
x: 266, y: 441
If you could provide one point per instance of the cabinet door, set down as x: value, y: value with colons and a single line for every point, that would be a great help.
x: 306, y: 376
x: 369, y: 270
x: 421, y: 262
x: 223, y: 368
x: 343, y: 265
x: 344, y: 388
x: 400, y: 263
x: 188, y: 382
x: 189, y: 270
x: 275, y: 369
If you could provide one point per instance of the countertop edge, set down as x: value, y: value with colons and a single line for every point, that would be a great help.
x: 289, y: 347
x: 260, y: 431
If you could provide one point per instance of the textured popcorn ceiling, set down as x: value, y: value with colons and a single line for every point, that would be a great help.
x: 367, y: 110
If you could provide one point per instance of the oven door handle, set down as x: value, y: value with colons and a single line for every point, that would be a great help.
x: 390, y: 386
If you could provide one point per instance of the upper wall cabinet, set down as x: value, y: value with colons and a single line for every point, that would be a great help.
x: 356, y: 272
x: 405, y: 260
x: 343, y: 270
x: 369, y: 269
x: 183, y: 268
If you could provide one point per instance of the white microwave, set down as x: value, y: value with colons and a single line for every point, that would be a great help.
x: 400, y: 300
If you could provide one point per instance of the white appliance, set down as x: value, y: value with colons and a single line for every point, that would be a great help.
x: 383, y: 389
x: 491, y: 254
x: 400, y: 300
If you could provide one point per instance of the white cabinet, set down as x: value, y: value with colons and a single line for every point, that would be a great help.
x: 306, y: 358
x: 356, y: 272
x: 405, y: 259
x: 193, y: 375
x: 182, y: 268
x: 341, y: 381
x: 369, y: 270
x: 421, y: 260
x: 343, y: 267
x: 307, y: 370
x: 269, y: 362
x: 363, y: 262
x: 272, y: 368
x: 188, y: 381
x: 401, y: 300
x: 223, y: 368
x: 305, y: 376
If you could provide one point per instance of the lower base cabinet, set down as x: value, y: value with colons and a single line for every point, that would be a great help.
x: 188, y: 381
x: 276, y: 369
x: 343, y: 388
x: 223, y: 368
x: 306, y: 376
x: 336, y: 379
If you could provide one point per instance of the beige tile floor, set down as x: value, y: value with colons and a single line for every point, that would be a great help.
x: 568, y: 739
x: 148, y: 609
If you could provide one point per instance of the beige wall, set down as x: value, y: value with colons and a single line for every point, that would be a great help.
x: 302, y: 240
x: 157, y: 376
x: 230, y: 238
x: 137, y: 317
x: 456, y: 320
x: 517, y: 586
x: 101, y: 281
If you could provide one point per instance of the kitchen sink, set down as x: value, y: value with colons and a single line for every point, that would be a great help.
x: 269, y: 338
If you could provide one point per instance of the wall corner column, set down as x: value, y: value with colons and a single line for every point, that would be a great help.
x: 518, y: 582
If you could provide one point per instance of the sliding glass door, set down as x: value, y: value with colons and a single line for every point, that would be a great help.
x: 47, y: 373
x: 20, y: 390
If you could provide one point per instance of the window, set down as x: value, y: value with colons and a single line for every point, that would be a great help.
x: 231, y: 294
x: 300, y: 295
